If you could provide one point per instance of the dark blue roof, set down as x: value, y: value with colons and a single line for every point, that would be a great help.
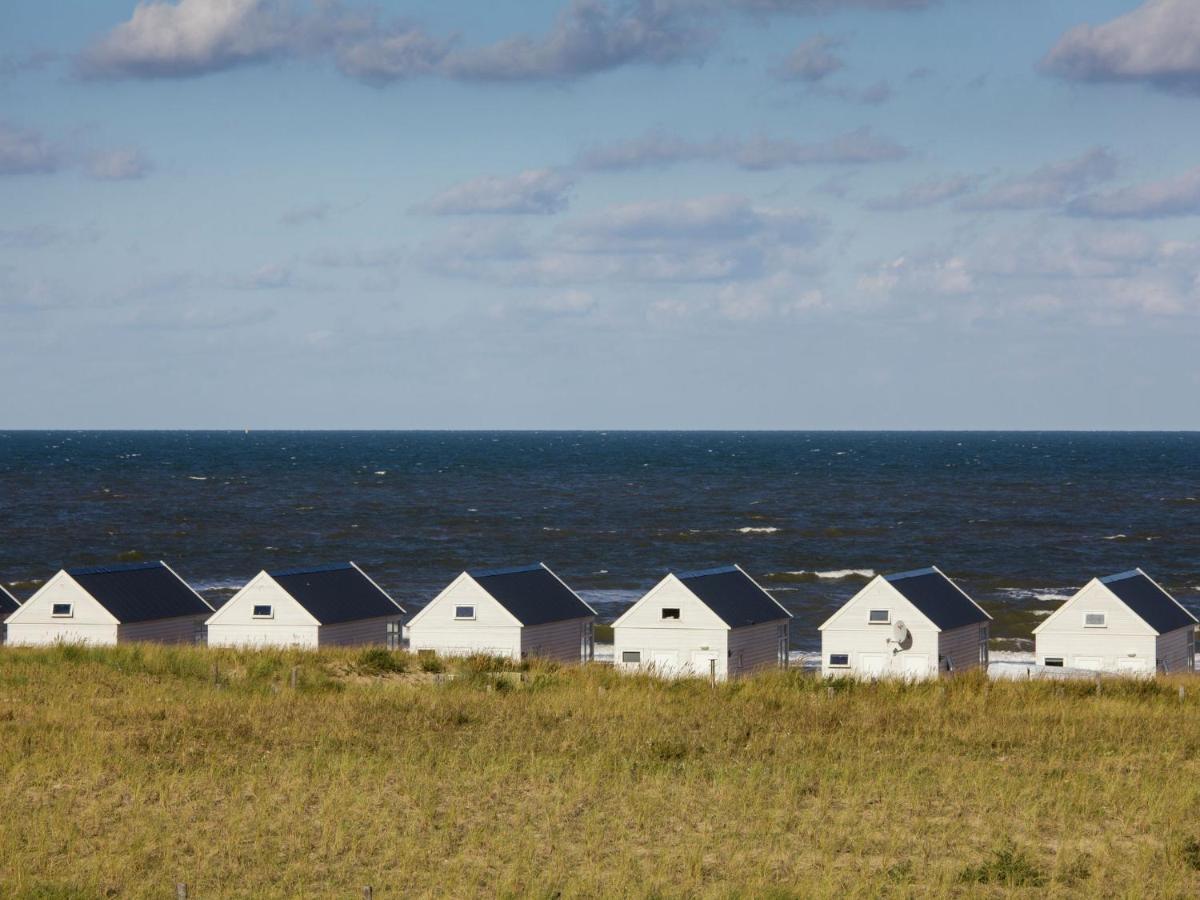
x: 336, y: 593
x: 733, y: 596
x: 533, y: 594
x: 1149, y: 602
x: 8, y: 603
x: 938, y: 598
x: 140, y: 592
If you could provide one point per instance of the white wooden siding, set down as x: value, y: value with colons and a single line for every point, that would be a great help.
x: 870, y: 652
x: 234, y: 625
x: 1126, y: 640
x: 671, y: 647
x: 1172, y: 650
x: 754, y: 647
x: 178, y: 630
x: 357, y: 632
x: 34, y: 624
x: 494, y: 630
x: 561, y: 640
x: 961, y: 647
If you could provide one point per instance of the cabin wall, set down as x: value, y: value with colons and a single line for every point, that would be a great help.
x: 871, y: 653
x: 493, y: 631
x: 357, y: 632
x: 562, y: 640
x: 1176, y: 650
x: 34, y: 624
x: 1125, y: 645
x: 672, y: 648
x: 756, y: 647
x: 234, y: 624
x: 177, y: 630
x: 961, y: 647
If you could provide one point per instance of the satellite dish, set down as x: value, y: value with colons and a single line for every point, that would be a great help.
x: 899, y: 632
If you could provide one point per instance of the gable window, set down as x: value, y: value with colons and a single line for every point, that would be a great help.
x: 631, y: 656
x: 839, y: 660
x: 464, y: 612
x: 669, y: 613
x: 1055, y: 661
x: 1094, y: 620
x: 880, y: 617
x: 62, y: 610
x: 263, y: 611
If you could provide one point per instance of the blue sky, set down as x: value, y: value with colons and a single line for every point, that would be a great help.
x: 600, y: 214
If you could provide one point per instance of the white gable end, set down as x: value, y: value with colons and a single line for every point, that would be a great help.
x: 879, y: 593
x: 1094, y: 597
x: 670, y: 594
x: 262, y: 590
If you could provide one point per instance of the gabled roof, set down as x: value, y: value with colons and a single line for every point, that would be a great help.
x: 937, y: 598
x: 734, y: 596
x: 8, y: 603
x: 140, y: 592
x: 341, y: 592
x: 1148, y: 601
x: 532, y: 594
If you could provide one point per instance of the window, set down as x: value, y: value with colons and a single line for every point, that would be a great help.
x: 1094, y: 620
x: 62, y: 610
x: 880, y: 616
x: 669, y: 613
x: 264, y: 611
x: 394, y: 636
x: 839, y: 660
x: 631, y: 656
x: 983, y: 645
x: 1055, y: 661
x: 464, y: 612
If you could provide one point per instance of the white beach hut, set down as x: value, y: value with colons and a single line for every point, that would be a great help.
x: 711, y: 623
x: 8, y: 606
x: 526, y: 611
x: 912, y: 625
x: 109, y: 605
x: 1124, y: 623
x: 320, y: 606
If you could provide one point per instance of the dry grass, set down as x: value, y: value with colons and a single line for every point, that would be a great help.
x: 130, y: 769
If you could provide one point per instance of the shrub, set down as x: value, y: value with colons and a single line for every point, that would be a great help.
x: 378, y: 660
x: 1008, y: 867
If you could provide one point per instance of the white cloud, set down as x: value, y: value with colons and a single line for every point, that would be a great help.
x: 1158, y: 44
x: 925, y: 193
x: 1177, y: 196
x: 26, y: 152
x: 534, y: 192
x: 1049, y: 186
x: 813, y: 60
x: 124, y: 164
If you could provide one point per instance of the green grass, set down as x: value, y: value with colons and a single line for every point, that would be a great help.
x: 132, y: 768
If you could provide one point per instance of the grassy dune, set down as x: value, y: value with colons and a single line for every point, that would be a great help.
x: 130, y: 769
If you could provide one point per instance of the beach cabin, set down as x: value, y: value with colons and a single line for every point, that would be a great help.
x: 110, y: 605
x: 321, y: 606
x: 712, y: 623
x: 1125, y: 624
x: 913, y: 625
x: 8, y: 606
x: 519, y: 612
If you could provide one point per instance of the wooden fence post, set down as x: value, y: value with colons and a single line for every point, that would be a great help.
x: 368, y: 892
x: 180, y: 891
x: 712, y: 672
x: 295, y: 672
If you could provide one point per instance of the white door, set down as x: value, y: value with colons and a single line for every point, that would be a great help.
x: 871, y: 664
x: 1091, y: 663
x: 915, y: 667
x: 1127, y: 666
x: 704, y: 663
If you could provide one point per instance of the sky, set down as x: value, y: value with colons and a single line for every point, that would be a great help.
x: 729, y: 214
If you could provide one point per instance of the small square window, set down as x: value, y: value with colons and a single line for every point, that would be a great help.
x: 62, y: 610
x: 631, y: 656
x: 464, y: 612
x: 839, y: 660
x: 880, y: 616
x: 264, y: 611
x: 669, y: 613
x: 1094, y: 620
x: 1055, y: 661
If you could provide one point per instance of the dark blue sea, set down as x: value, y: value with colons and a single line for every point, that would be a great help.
x: 1019, y: 519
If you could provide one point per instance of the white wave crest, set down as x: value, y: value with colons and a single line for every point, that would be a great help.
x: 767, y: 529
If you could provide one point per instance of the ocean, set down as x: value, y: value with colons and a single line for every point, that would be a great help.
x: 1020, y: 520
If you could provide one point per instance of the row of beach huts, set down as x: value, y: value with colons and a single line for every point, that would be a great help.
x: 715, y: 623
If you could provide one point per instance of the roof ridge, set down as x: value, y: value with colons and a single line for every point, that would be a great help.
x: 1121, y: 576
x: 116, y: 567
x: 510, y: 570
x: 913, y: 573
x: 312, y: 570
x: 715, y: 570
